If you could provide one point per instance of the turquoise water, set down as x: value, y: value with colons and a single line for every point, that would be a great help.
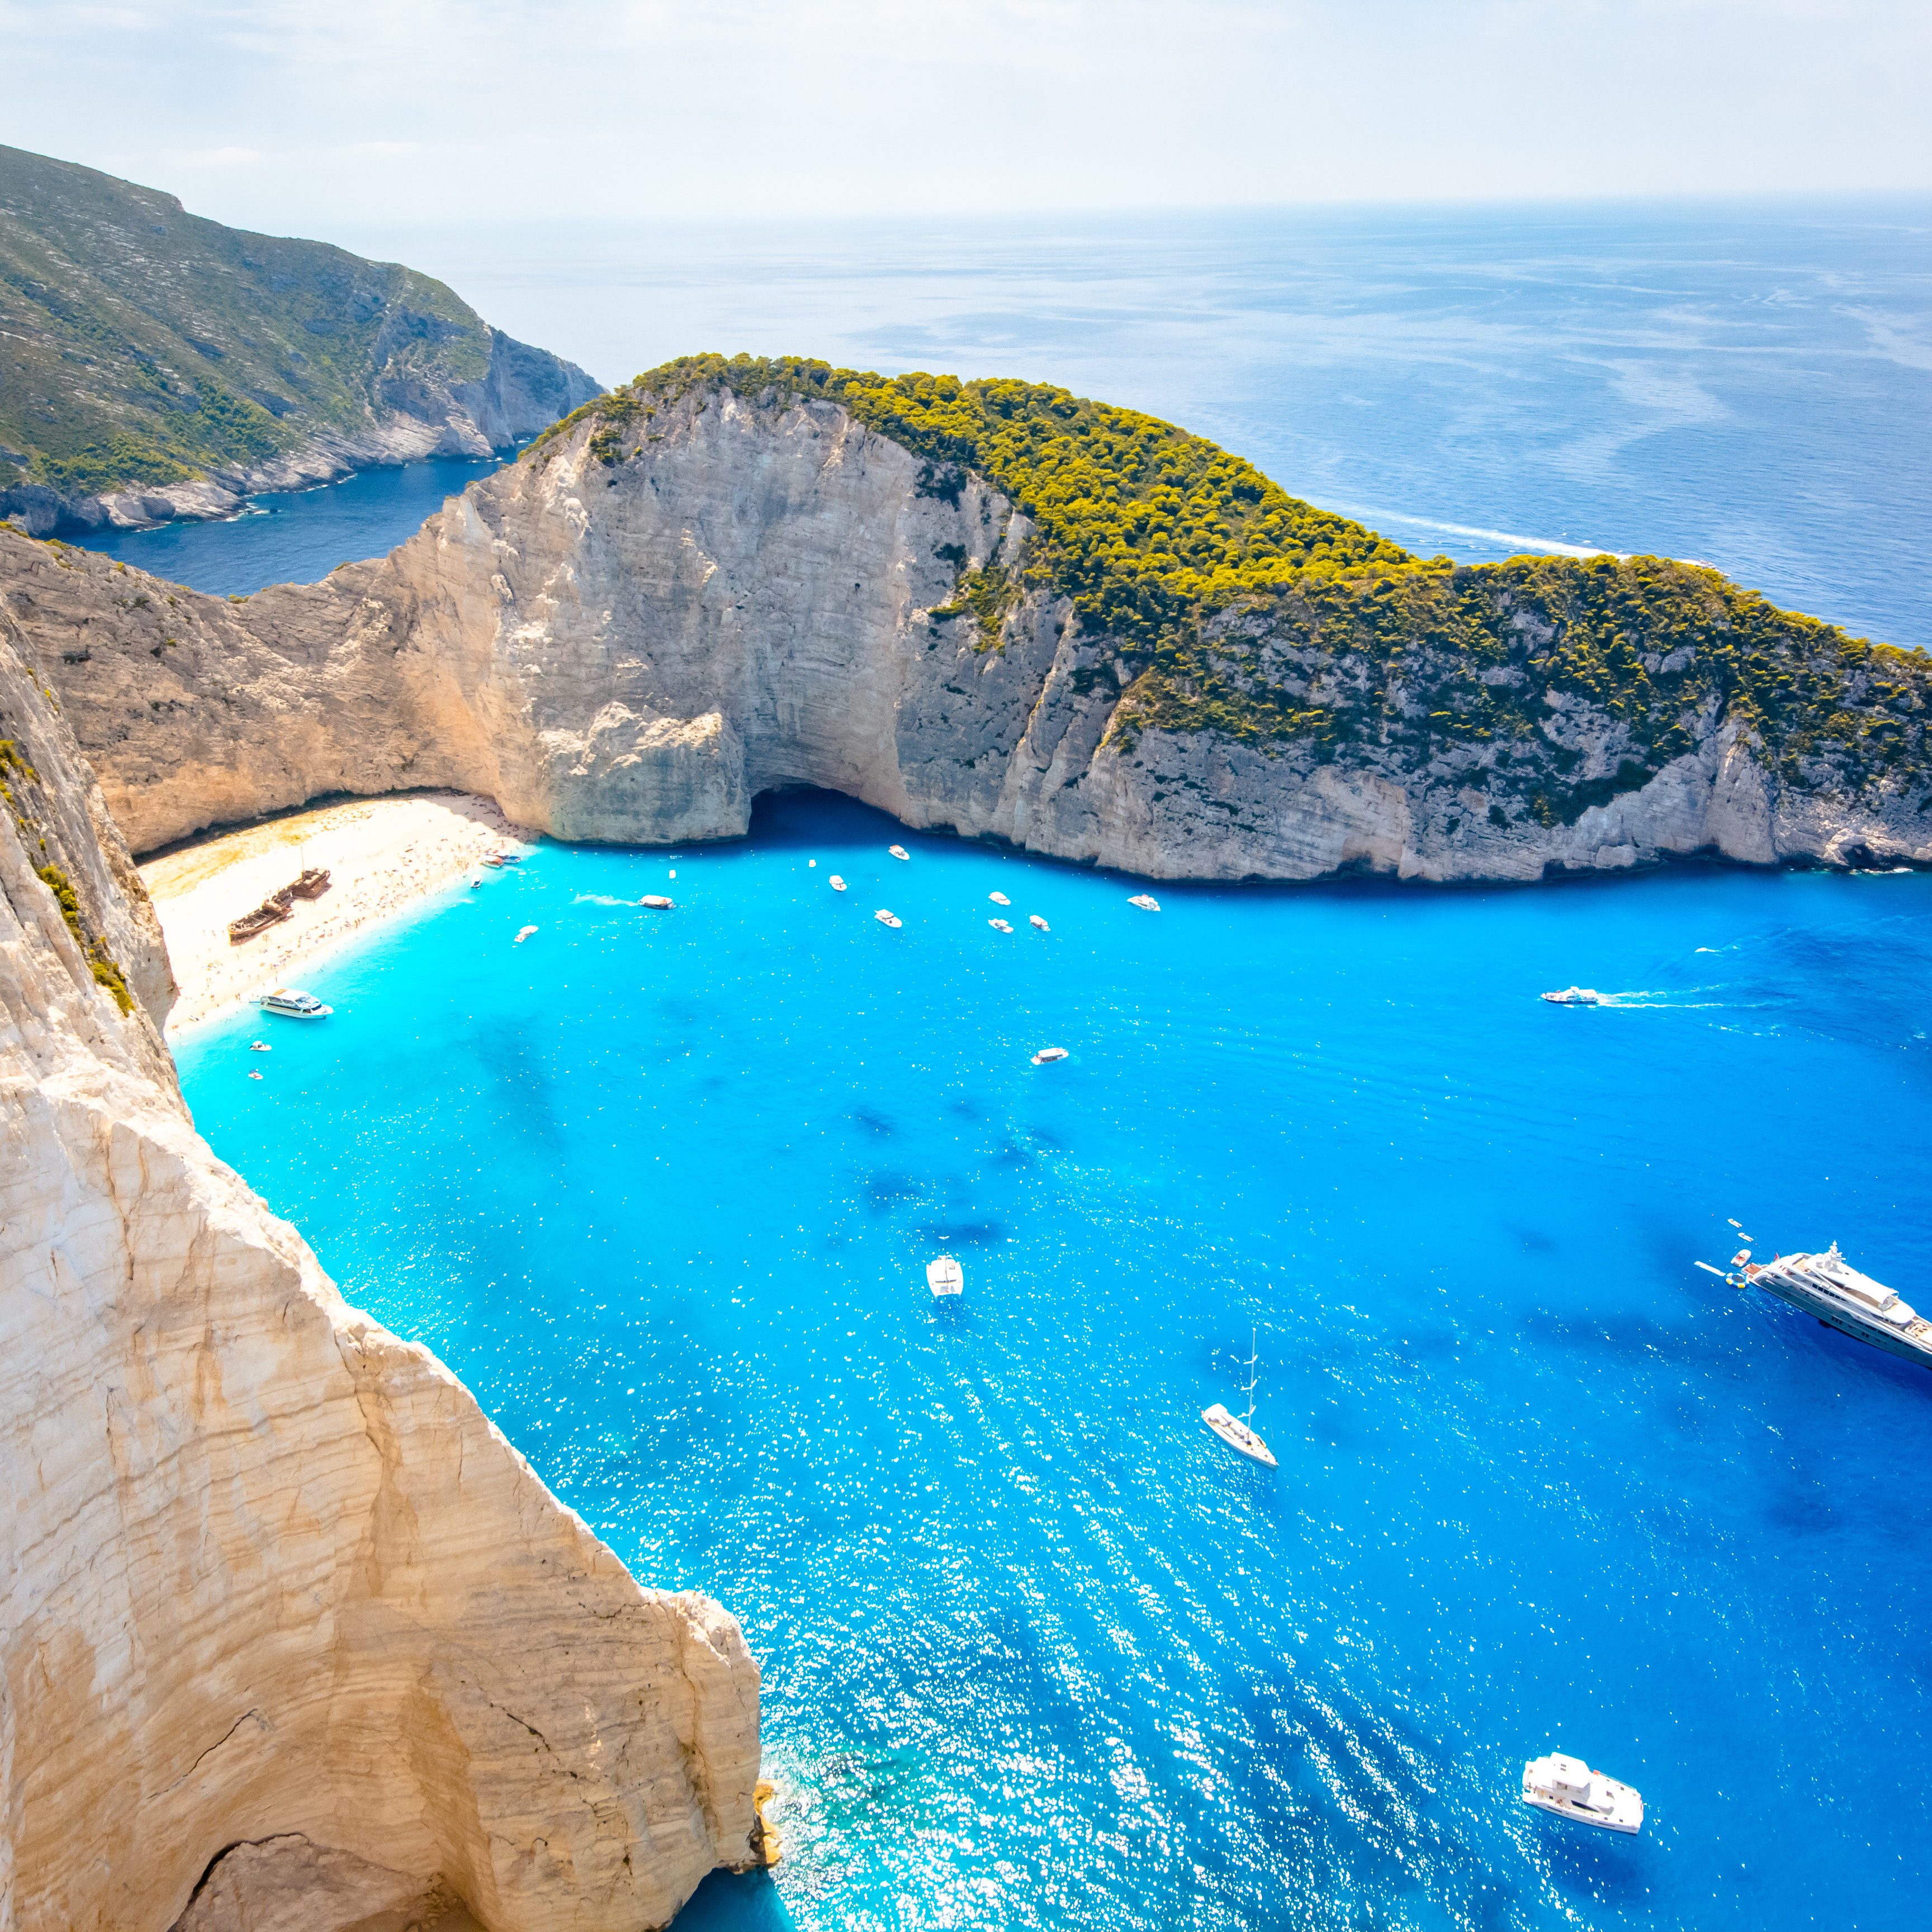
x: 1749, y: 383
x: 1038, y: 1652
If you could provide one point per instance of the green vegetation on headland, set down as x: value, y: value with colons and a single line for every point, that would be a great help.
x: 140, y: 344
x: 1225, y: 604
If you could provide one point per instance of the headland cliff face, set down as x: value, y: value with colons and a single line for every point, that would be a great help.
x: 691, y: 594
x: 289, y: 1634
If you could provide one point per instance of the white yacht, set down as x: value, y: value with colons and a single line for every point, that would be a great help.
x: 945, y: 1276
x: 1828, y: 1286
x: 658, y: 902
x: 1146, y: 901
x: 294, y: 1004
x: 1034, y: 919
x: 1575, y: 996
x: 1567, y: 1786
x: 999, y: 898
x: 891, y: 918
x: 999, y: 925
x: 1047, y: 1055
x: 837, y: 883
x: 1236, y: 1430
x: 898, y: 851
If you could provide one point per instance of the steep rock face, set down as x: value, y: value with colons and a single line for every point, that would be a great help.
x: 270, y: 1574
x: 631, y: 632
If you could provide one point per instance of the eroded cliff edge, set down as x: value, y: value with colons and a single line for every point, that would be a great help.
x: 272, y: 1579
x: 731, y: 576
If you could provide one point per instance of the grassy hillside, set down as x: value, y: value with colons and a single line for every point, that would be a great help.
x: 143, y: 344
x: 1239, y: 609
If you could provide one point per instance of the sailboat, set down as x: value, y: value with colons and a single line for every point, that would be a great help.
x: 1235, y: 1430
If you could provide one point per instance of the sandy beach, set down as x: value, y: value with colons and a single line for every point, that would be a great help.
x: 382, y: 855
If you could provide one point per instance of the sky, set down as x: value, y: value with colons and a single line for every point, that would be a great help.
x: 333, y: 119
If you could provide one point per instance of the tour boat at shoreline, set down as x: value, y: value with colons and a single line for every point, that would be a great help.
x: 292, y: 1002
x: 1828, y: 1287
x: 1567, y: 1788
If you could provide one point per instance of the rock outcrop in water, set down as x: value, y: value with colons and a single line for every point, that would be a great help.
x: 702, y: 589
x: 290, y: 1635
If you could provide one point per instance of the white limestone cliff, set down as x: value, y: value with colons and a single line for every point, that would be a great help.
x: 754, y: 595
x: 271, y: 1578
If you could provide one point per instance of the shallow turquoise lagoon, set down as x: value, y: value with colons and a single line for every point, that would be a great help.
x: 1038, y: 1652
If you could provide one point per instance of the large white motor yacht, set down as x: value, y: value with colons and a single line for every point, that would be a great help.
x: 294, y: 1004
x: 1567, y: 1786
x: 1828, y: 1286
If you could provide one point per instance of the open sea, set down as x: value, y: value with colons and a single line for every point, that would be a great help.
x: 1040, y: 1652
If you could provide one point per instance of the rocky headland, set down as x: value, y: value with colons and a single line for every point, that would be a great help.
x: 289, y: 1634
x: 159, y: 365
x: 997, y: 608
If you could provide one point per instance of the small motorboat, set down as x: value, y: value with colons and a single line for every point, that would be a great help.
x: 945, y: 1275
x: 999, y: 926
x: 523, y: 935
x: 1047, y: 1055
x: 1034, y: 919
x: 1238, y: 1431
x: 658, y: 902
x: 891, y: 918
x: 256, y: 1075
x: 259, y: 1046
x: 1146, y: 901
x: 837, y: 883
x: 1568, y: 1787
x: 898, y: 851
x: 999, y: 898
x: 1575, y: 996
x: 293, y: 1004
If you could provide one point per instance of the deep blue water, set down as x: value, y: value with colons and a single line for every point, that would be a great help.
x: 1747, y: 383
x: 1038, y: 1652
x: 295, y: 536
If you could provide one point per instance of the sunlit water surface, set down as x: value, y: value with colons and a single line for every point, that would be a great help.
x: 1038, y: 1652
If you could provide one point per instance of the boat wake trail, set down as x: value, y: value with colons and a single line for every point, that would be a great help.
x: 1682, y: 999
x: 600, y: 898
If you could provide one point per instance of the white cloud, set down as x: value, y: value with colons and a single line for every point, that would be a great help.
x: 287, y: 115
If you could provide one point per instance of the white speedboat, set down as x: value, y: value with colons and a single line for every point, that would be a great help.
x: 293, y: 1004
x: 1575, y: 996
x: 898, y: 851
x: 999, y: 926
x: 523, y: 935
x: 1034, y: 919
x: 999, y: 898
x: 1238, y: 1431
x: 1047, y: 1054
x: 945, y: 1275
x: 837, y: 883
x: 1146, y: 901
x: 1568, y: 1787
x: 658, y: 902
x: 891, y: 918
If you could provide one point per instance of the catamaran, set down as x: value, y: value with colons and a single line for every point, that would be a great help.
x: 1828, y: 1287
x: 1567, y: 1786
x: 1234, y: 1430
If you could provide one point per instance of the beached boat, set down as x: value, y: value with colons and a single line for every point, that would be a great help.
x: 312, y: 883
x: 1047, y: 1055
x: 837, y: 883
x: 292, y: 1002
x: 891, y: 918
x: 658, y: 902
x: 1146, y: 901
x: 1575, y: 996
x: 945, y: 1275
x: 1567, y: 1787
x: 1034, y: 919
x: 999, y: 898
x: 1828, y: 1287
x: 1236, y: 1431
x: 898, y: 851
x: 999, y: 926
x: 267, y: 913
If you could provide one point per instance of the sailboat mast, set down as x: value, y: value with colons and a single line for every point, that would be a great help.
x: 1254, y: 1373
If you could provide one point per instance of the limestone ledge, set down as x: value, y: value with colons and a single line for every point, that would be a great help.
x: 271, y: 1578
x: 760, y: 595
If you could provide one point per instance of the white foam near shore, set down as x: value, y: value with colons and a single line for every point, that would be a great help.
x: 383, y: 855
